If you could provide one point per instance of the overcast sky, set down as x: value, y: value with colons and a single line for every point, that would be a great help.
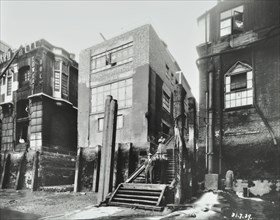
x: 75, y: 25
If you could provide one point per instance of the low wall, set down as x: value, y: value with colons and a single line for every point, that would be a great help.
x: 262, y: 188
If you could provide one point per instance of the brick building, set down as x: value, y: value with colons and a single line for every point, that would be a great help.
x: 4, y: 47
x: 137, y: 69
x: 239, y: 91
x: 38, y: 113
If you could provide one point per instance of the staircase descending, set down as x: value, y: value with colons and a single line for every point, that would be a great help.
x: 147, y: 196
x: 136, y: 193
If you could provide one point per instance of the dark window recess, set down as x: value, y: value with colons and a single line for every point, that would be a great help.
x: 64, y: 85
x: 23, y: 76
x: 9, y: 85
x: 22, y: 132
x: 22, y: 109
x: 238, y: 82
x: 165, y: 129
x: 237, y: 22
x: 166, y: 101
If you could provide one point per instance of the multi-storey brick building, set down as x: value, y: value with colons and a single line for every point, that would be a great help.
x: 39, y: 109
x: 239, y: 90
x: 137, y: 69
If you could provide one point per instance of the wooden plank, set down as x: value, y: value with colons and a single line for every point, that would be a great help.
x: 160, y: 197
x: 115, y: 192
x: 5, y: 170
x: 77, y: 171
x: 35, y: 171
x: 19, y: 173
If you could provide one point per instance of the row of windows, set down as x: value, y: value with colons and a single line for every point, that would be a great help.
x: 122, y: 91
x: 112, y: 57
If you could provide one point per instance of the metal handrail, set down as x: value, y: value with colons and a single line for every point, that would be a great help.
x: 142, y: 166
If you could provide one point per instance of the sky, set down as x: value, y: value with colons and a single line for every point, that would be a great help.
x: 76, y: 25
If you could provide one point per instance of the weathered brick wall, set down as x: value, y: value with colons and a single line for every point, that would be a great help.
x: 7, y: 133
x: 60, y: 127
x: 56, y: 169
x: 247, y: 146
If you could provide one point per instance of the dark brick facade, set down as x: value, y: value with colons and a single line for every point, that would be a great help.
x: 40, y: 112
x: 246, y: 138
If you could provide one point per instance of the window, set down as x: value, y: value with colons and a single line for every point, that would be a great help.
x: 64, y: 80
x: 121, y: 91
x: 100, y: 124
x: 167, y: 71
x: 23, y: 76
x: 57, y: 67
x: 112, y: 57
x: 166, y: 101
x: 119, y: 123
x: 239, y: 86
x: 203, y: 24
x: 9, y: 85
x: 231, y: 21
x: 64, y: 84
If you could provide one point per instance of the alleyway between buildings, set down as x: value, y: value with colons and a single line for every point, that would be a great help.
x: 69, y: 205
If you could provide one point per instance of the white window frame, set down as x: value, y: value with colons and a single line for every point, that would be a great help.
x: 226, y: 20
x: 233, y: 97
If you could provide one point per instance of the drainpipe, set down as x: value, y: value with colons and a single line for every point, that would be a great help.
x: 206, y: 129
x: 210, y: 119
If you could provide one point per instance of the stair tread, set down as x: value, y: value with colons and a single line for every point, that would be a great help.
x: 139, y: 192
x: 138, y: 201
x: 149, y: 207
x: 136, y: 196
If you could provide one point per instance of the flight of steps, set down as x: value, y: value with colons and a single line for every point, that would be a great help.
x: 146, y: 196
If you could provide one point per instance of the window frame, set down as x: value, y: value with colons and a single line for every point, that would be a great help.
x: 166, y: 103
x: 98, y: 95
x: 242, y: 97
x: 230, y: 18
x: 107, y: 59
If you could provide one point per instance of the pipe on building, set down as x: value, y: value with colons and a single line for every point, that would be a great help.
x: 210, y: 121
x: 206, y: 130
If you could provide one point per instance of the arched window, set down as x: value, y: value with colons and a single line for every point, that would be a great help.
x: 239, y: 86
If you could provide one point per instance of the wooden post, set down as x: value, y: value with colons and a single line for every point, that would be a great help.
x: 96, y: 170
x: 181, y: 166
x: 77, y: 170
x: 111, y: 147
x: 35, y: 172
x: 5, y: 172
x: 115, y: 169
x: 19, y: 173
x: 108, y: 148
